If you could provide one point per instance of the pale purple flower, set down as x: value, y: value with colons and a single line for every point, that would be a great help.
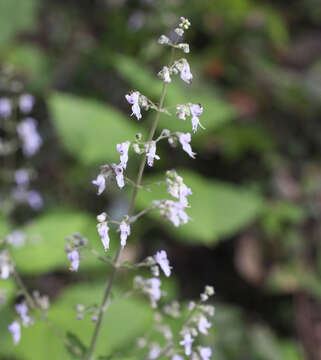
x: 103, y: 233
x: 186, y: 74
x: 196, y: 111
x: 34, y: 200
x: 26, y: 102
x: 177, y: 357
x: 15, y: 330
x: 185, y: 140
x: 154, y: 352
x: 165, y: 75
x: 5, y: 267
x: 203, y: 324
x: 133, y: 99
x: 73, y: 256
x: 31, y: 140
x: 22, y: 310
x: 205, y: 353
x: 5, y: 270
x: 16, y: 238
x: 152, y: 288
x: 151, y: 154
x: 161, y: 259
x: 174, y: 211
x: 5, y: 107
x: 123, y: 150
x: 21, y: 177
x: 100, y: 182
x: 187, y: 343
x: 119, y: 175
x: 124, y: 232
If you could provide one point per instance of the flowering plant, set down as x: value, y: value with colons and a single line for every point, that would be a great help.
x: 176, y: 345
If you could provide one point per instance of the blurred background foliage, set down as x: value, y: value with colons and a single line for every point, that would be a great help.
x: 256, y: 200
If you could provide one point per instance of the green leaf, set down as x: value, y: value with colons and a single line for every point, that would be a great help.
x: 216, y: 111
x: 15, y: 16
x: 218, y: 209
x: 90, y: 130
x: 46, y: 235
x: 32, y: 62
x: 124, y: 321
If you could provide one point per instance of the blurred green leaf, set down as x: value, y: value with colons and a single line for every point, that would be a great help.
x: 44, y: 250
x: 90, y: 130
x: 218, y: 209
x: 237, y: 139
x: 216, y: 111
x: 124, y: 321
x: 15, y: 16
x: 32, y: 62
x: 4, y: 225
x: 276, y: 27
x: 279, y: 214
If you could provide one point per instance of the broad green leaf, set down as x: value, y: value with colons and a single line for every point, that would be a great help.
x: 218, y: 209
x: 90, y: 130
x: 15, y: 16
x: 44, y: 250
x: 124, y: 321
x: 216, y: 111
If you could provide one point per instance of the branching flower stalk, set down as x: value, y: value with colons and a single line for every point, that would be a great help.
x: 137, y: 185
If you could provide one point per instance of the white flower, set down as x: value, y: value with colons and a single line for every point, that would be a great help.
x: 103, y: 233
x: 119, y: 175
x: 133, y: 99
x: 151, y: 153
x: 203, y: 325
x: 185, y: 140
x: 184, y: 47
x: 123, y: 150
x: 161, y: 259
x: 187, y: 343
x: 164, y: 74
x: 124, y: 232
x: 100, y: 182
x: 186, y: 74
x: 196, y: 111
x: 15, y: 330
x: 73, y: 256
x: 152, y: 288
x: 163, y: 39
x: 205, y: 353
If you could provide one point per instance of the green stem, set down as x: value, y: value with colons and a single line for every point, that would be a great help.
x: 93, y: 343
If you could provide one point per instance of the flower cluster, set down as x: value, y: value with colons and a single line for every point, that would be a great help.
x: 73, y: 246
x: 21, y: 192
x: 19, y: 131
x: 174, y: 211
x: 194, y: 322
x: 189, y: 109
